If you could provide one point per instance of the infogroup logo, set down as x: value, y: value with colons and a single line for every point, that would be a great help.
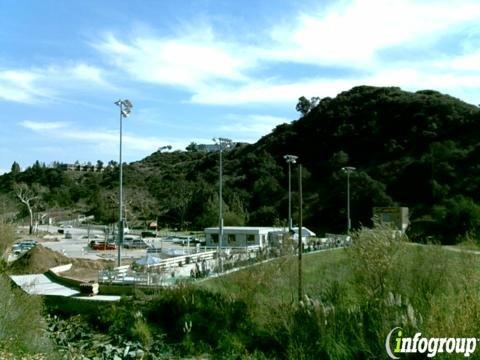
x: 431, y: 346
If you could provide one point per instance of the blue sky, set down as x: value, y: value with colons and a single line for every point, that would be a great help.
x: 200, y: 69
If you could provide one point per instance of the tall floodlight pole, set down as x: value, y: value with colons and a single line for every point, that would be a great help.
x: 222, y: 143
x: 290, y: 159
x: 348, y: 170
x: 160, y: 149
x: 125, y: 109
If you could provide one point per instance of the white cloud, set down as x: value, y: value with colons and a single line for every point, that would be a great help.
x: 188, y: 61
x: 272, y: 92
x: 408, y: 78
x: 18, y: 86
x: 43, y: 125
x: 347, y: 33
x: 351, y: 33
x: 464, y: 63
x: 87, y: 73
x: 47, y: 83
x: 216, y: 71
x: 250, y: 127
x: 104, y: 140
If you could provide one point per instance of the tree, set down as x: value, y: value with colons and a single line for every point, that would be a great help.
x: 209, y: 215
x: 235, y: 213
x: 8, y: 208
x: 338, y: 160
x: 99, y: 165
x: 15, y: 168
x: 456, y: 219
x: 192, y: 147
x: 78, y: 167
x: 27, y: 195
x: 142, y: 204
x: 180, y: 199
x: 314, y: 102
x: 265, y: 216
x: 303, y: 105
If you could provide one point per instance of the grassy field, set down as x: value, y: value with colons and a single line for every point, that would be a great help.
x: 276, y: 281
x: 355, y: 296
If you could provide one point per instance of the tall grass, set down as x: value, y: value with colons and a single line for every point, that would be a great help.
x: 355, y: 297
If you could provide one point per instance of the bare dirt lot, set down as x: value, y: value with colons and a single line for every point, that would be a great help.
x: 40, y: 259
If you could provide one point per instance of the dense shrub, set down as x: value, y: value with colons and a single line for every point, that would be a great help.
x: 456, y: 219
x: 210, y: 320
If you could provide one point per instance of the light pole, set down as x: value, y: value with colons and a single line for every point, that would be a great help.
x: 160, y: 149
x: 125, y: 109
x: 290, y: 159
x: 348, y: 170
x: 222, y: 143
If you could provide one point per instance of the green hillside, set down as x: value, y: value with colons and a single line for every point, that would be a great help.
x: 410, y: 149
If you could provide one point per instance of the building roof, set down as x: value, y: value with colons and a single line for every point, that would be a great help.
x: 246, y: 228
x: 305, y: 231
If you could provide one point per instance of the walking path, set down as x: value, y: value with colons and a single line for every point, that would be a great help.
x: 39, y: 284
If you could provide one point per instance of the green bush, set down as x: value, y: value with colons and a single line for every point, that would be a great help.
x: 456, y: 219
x: 22, y: 327
x: 187, y: 313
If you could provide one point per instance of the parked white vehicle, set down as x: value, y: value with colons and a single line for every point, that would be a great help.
x: 130, y: 242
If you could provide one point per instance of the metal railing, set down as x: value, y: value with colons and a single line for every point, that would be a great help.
x: 185, y: 259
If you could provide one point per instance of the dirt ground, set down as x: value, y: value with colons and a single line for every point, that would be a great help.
x: 40, y: 259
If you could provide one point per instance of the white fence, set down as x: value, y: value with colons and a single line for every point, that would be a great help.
x: 159, y: 273
x: 185, y: 259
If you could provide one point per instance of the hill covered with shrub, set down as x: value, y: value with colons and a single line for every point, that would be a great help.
x: 409, y: 149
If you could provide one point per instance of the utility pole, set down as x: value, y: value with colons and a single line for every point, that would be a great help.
x: 300, y: 241
x: 348, y: 170
x: 290, y: 159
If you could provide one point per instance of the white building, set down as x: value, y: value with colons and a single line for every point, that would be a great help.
x: 244, y: 236
x: 240, y: 236
x: 306, y: 233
